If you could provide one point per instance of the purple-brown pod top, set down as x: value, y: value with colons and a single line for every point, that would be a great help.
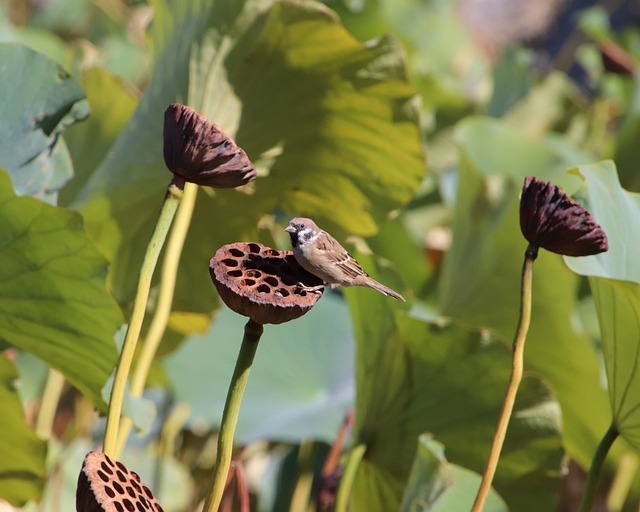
x: 267, y: 285
x: 199, y: 151
x: 550, y: 219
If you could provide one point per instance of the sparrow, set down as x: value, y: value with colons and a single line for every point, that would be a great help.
x: 322, y: 255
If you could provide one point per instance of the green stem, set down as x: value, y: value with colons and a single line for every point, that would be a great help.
x: 346, y: 483
x: 158, y: 325
x: 517, y: 367
x: 597, y: 463
x: 163, y: 224
x: 252, y: 333
x: 49, y: 404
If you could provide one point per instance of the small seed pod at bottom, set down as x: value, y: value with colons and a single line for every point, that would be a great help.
x: 107, y: 485
x: 267, y: 285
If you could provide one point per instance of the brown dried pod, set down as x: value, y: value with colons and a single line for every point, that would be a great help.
x: 266, y: 285
x: 201, y: 152
x: 550, y: 219
x: 107, y: 485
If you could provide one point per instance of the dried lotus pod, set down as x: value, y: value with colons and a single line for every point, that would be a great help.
x: 267, y: 285
x: 107, y: 485
x: 199, y: 151
x: 550, y: 219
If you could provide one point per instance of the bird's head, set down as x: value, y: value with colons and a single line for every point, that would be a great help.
x: 302, y: 230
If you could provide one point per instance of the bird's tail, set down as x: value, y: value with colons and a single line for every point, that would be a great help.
x: 384, y: 289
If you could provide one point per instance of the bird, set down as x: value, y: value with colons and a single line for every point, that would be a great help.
x: 319, y: 253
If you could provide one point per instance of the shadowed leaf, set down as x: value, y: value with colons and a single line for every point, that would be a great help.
x: 53, y: 300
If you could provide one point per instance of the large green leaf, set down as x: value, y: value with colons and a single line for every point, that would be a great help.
x: 481, y: 276
x: 53, y: 300
x: 301, y: 384
x: 414, y: 376
x: 615, y: 284
x: 330, y: 122
x: 22, y: 453
x: 39, y: 100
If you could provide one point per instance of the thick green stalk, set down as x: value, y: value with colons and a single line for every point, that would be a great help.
x: 252, y: 334
x: 517, y: 367
x: 163, y: 224
x: 158, y: 325
x: 599, y: 457
x: 348, y: 477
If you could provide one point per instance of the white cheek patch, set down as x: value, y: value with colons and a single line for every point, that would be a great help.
x: 308, y: 235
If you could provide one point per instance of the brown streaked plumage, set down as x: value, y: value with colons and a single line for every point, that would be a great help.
x: 322, y: 255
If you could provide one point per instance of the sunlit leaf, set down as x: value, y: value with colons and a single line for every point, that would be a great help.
x: 331, y: 124
x: 53, y: 300
x: 22, y: 453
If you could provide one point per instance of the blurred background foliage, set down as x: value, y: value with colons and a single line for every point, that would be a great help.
x: 404, y: 127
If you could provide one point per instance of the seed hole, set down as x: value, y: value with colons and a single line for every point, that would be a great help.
x: 271, y: 281
x: 136, y: 485
x: 122, y: 466
x: 106, y: 468
x: 288, y: 280
x: 141, y: 507
x: 108, y: 459
x: 254, y: 273
x: 248, y: 282
x: 102, y: 476
x: 282, y: 292
x: 235, y: 273
x: 118, y: 488
x: 158, y: 507
x: 290, y: 258
x: 147, y: 492
x: 121, y: 476
x: 118, y: 506
x: 131, y: 492
x: 110, y: 492
x: 272, y: 252
x: 130, y: 506
x: 301, y: 292
x: 229, y: 262
x: 267, y: 268
x: 253, y: 247
x: 236, y: 252
x: 263, y: 288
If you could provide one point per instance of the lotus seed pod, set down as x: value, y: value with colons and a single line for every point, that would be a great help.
x: 267, y: 285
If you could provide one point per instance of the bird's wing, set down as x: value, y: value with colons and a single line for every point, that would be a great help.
x: 338, y: 256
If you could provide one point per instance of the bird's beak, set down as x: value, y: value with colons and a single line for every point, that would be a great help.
x: 290, y: 229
